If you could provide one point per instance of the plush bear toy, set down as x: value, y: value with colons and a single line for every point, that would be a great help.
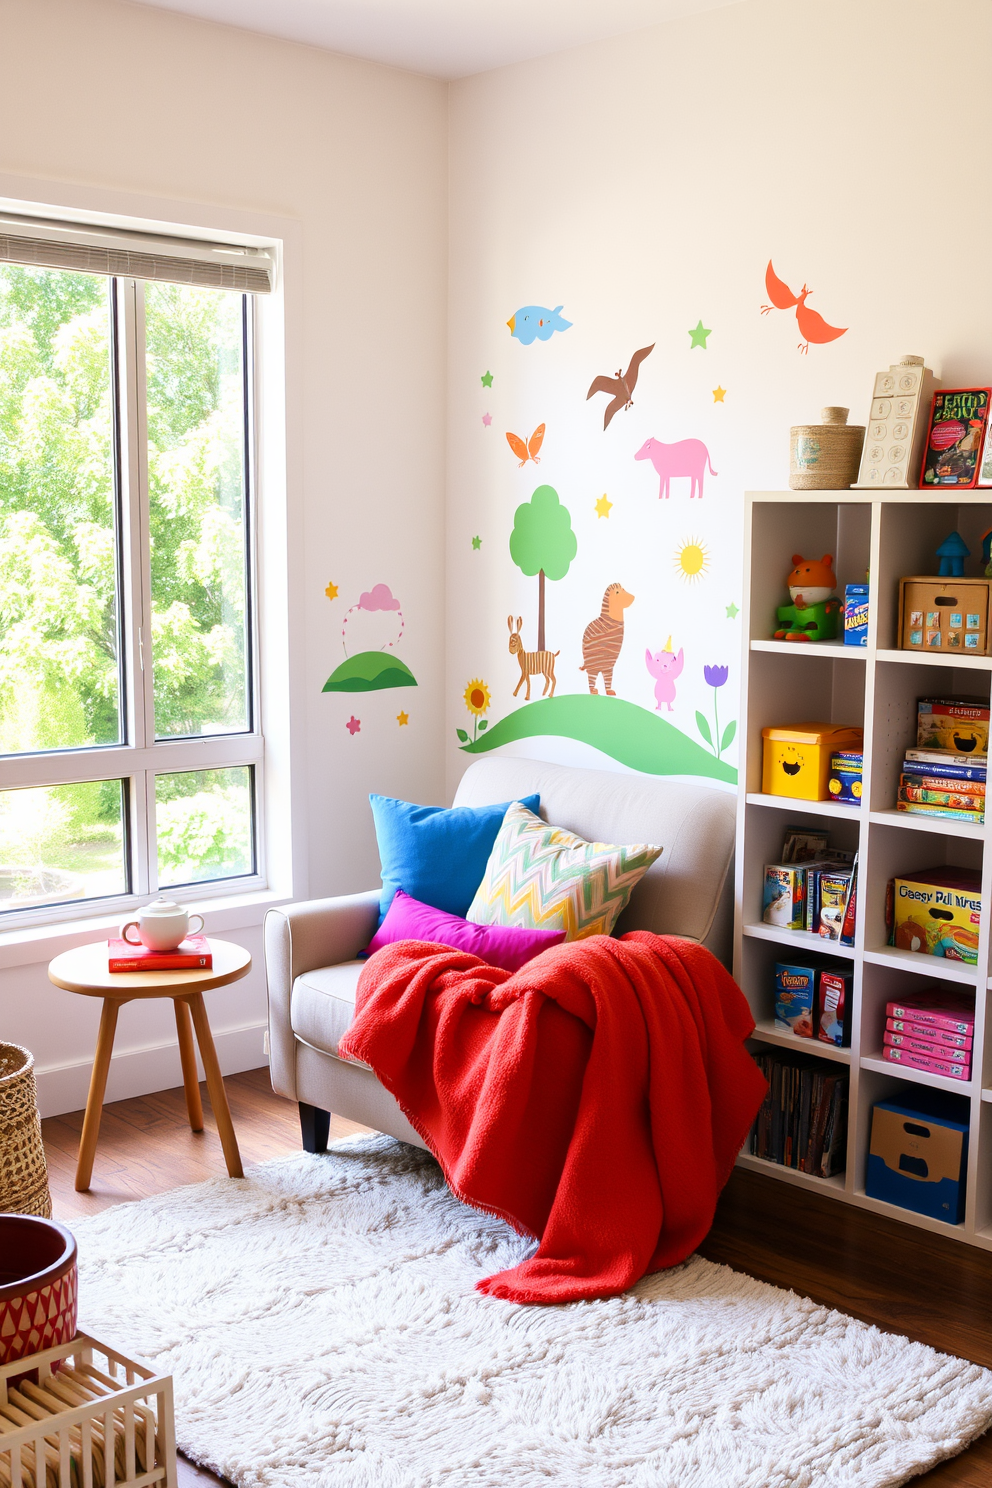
x: 813, y: 613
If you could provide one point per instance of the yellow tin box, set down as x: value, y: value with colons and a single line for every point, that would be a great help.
x: 796, y: 760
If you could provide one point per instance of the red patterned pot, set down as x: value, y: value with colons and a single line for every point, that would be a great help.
x: 38, y: 1285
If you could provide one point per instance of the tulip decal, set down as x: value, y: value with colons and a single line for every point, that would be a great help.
x: 716, y: 677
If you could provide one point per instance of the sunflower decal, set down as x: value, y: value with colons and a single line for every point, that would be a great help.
x: 477, y: 700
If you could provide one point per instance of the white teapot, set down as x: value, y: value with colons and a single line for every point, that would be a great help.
x: 161, y: 926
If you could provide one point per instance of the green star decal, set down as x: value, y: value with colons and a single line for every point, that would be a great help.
x: 476, y: 544
x: 699, y: 336
x: 732, y: 611
x: 487, y: 379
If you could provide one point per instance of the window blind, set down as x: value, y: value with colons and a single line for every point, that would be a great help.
x: 89, y: 250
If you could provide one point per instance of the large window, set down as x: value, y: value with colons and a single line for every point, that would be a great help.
x: 128, y: 733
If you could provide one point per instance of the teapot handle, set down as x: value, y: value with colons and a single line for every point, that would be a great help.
x: 199, y: 928
x: 131, y: 925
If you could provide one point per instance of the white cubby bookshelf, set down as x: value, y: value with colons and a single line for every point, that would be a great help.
x: 891, y: 534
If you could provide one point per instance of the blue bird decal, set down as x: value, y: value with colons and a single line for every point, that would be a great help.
x: 536, y: 322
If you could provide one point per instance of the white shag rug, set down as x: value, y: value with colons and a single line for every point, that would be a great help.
x: 321, y: 1323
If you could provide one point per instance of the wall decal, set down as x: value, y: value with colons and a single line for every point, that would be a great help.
x: 477, y: 699
x: 532, y: 663
x: 354, y: 725
x: 732, y: 611
x: 666, y: 668
x: 331, y: 591
x: 476, y: 544
x: 370, y: 671
x: 635, y: 737
x: 487, y: 419
x: 604, y: 506
x: 603, y: 637
x: 699, y: 334
x: 716, y: 677
x: 621, y: 386
x: 686, y: 457
x: 402, y: 719
x: 542, y: 544
x: 536, y: 323
x: 528, y: 451
x: 719, y: 393
x: 812, y: 327
x: 486, y: 379
x: 692, y: 560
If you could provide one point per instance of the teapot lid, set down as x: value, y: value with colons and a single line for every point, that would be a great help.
x: 163, y: 906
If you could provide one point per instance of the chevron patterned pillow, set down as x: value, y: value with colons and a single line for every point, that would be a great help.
x: 548, y: 879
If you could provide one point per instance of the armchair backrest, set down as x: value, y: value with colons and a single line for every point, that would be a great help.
x: 689, y: 890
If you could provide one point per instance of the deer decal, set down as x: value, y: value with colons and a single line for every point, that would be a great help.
x: 531, y: 662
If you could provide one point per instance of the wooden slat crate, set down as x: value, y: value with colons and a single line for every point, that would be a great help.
x: 82, y: 1415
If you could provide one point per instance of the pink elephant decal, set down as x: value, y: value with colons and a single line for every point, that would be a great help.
x: 666, y: 667
x: 688, y: 457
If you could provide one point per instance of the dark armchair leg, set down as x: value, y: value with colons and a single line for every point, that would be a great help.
x: 314, y: 1124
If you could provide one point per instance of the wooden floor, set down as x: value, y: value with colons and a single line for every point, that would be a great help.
x: 907, y: 1280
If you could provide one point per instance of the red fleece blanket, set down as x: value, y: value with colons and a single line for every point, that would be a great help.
x: 595, y: 1099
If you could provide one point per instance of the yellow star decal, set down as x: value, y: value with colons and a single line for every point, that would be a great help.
x: 402, y: 718
x: 603, y: 506
x: 331, y: 591
x: 719, y: 394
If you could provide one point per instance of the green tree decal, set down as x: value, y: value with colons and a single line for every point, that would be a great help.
x: 542, y: 542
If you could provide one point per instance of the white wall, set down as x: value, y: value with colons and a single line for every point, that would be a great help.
x: 107, y: 100
x: 644, y: 183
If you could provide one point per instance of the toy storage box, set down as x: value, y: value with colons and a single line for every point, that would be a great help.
x: 938, y: 911
x: 918, y: 1153
x: 944, y: 614
x: 796, y: 758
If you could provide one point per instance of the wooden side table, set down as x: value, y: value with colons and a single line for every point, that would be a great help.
x: 84, y: 970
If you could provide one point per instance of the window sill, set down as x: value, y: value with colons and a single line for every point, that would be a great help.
x: 30, y: 944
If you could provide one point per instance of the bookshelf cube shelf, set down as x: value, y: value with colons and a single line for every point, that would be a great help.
x: 889, y: 534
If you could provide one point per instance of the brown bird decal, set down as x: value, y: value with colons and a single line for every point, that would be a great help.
x: 812, y: 327
x: 622, y: 386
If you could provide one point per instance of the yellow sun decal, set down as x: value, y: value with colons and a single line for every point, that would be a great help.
x: 692, y: 560
x: 477, y: 698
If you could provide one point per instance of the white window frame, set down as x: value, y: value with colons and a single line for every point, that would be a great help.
x: 142, y: 757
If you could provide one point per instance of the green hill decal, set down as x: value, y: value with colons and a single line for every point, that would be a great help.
x: 631, y: 735
x: 370, y: 671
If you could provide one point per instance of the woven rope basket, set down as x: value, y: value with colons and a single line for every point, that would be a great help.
x: 23, y: 1170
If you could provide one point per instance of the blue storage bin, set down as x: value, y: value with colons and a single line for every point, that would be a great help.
x: 918, y: 1153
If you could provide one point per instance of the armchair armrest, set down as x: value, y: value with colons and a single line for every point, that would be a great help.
x: 300, y: 938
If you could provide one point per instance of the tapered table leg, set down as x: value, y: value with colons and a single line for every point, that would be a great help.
x: 98, y: 1088
x: 187, y: 1053
x: 215, y: 1085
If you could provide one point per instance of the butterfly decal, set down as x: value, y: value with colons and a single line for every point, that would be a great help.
x: 528, y: 451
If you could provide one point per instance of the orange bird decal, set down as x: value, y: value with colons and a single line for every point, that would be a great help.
x: 812, y: 327
x: 528, y: 451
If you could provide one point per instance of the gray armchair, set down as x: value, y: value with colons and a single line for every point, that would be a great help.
x: 311, y: 948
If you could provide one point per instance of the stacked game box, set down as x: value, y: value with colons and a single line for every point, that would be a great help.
x: 944, y: 775
x: 802, y: 1123
x: 931, y: 1030
x: 813, y: 887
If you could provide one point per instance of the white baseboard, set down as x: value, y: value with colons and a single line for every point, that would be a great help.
x: 63, y: 1088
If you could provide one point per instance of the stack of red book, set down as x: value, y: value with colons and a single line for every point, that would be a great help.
x: 192, y: 954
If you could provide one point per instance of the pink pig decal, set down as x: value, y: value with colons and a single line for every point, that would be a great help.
x: 688, y: 457
x: 666, y: 667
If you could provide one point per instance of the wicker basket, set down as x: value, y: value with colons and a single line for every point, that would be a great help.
x: 825, y: 457
x: 23, y: 1170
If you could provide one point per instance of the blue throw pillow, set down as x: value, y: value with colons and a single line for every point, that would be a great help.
x: 436, y: 854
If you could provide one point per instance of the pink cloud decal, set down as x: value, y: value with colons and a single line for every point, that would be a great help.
x: 378, y: 598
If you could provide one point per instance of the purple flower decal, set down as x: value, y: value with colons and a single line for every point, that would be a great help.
x: 716, y: 677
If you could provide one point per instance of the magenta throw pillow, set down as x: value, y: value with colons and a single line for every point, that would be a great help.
x: 509, y: 946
